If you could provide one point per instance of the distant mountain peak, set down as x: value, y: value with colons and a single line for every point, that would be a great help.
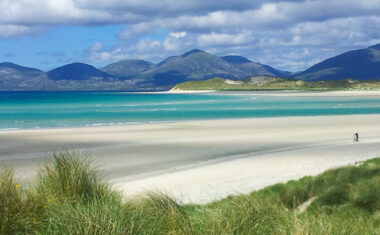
x: 8, y: 64
x: 18, y: 67
x: 76, y: 71
x: 361, y: 64
x: 194, y: 51
x: 376, y: 47
x: 77, y: 64
x: 128, y: 68
x: 234, y: 59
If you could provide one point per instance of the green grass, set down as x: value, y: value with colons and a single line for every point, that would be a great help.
x: 70, y: 197
x: 280, y: 84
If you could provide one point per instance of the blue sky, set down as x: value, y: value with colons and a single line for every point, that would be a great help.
x: 289, y: 35
x: 57, y: 46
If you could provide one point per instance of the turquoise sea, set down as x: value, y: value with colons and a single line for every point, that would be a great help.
x: 20, y: 110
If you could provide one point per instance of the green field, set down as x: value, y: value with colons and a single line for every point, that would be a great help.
x: 219, y: 84
x: 70, y: 197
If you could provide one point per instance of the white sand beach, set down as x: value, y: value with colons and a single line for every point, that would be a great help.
x: 201, y: 161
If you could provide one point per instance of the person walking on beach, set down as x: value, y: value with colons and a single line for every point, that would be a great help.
x: 356, y: 137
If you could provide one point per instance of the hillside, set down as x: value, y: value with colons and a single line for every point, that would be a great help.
x: 16, y: 77
x: 274, y: 83
x: 16, y: 67
x: 77, y: 71
x: 363, y: 64
x: 199, y: 65
x: 128, y: 68
x: 76, y: 76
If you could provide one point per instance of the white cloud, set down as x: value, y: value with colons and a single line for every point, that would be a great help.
x: 139, y: 29
x: 178, y: 35
x: 97, y: 46
x: 177, y: 14
x: 146, y: 49
x: 12, y: 30
x: 56, y: 12
x: 100, y: 57
x: 223, y: 39
x: 268, y: 31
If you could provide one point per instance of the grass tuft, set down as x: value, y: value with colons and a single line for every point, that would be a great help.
x: 72, y: 177
x: 11, y: 203
x: 70, y: 197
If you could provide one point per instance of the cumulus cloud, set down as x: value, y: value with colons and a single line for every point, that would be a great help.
x: 139, y: 29
x: 168, y: 7
x: 12, y: 30
x: 179, y: 13
x: 97, y: 46
x: 145, y: 49
x: 178, y: 34
x: 53, y: 12
x: 97, y: 54
x: 289, y: 34
x: 223, y: 39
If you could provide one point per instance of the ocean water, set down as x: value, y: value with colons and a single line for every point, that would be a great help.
x: 19, y: 110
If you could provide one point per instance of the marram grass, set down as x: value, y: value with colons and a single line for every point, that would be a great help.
x: 70, y: 197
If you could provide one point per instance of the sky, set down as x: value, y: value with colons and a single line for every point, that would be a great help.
x: 288, y: 35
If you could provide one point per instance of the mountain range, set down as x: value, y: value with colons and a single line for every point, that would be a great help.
x: 363, y: 64
x: 192, y: 65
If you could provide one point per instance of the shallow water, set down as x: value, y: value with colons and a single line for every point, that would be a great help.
x: 20, y: 110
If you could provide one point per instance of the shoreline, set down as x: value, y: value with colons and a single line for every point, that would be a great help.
x: 127, y: 124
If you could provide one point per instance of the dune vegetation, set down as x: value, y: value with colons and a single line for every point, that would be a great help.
x: 221, y: 84
x: 70, y: 197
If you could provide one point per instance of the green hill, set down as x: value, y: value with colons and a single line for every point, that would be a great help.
x: 273, y: 83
